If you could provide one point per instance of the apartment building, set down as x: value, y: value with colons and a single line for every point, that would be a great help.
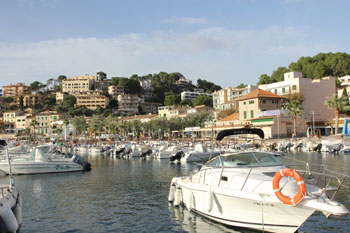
x: 263, y: 109
x: 148, y: 107
x: 172, y: 111
x: 192, y: 95
x: 101, y: 86
x: 29, y: 100
x: 91, y: 100
x: 146, y: 84
x: 182, y: 82
x: 115, y: 91
x: 46, y: 121
x: 226, y: 98
x: 16, y: 90
x: 315, y: 92
x: 345, y: 85
x: 60, y: 96
x: 9, y: 120
x: 128, y: 104
x: 78, y: 84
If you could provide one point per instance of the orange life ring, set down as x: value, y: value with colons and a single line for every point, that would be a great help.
x: 301, y: 186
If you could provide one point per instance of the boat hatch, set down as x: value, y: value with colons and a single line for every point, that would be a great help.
x: 247, y: 159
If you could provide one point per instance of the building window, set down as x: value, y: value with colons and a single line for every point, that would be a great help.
x: 264, y: 101
x: 283, y: 90
x: 245, y: 114
x: 244, y: 103
x: 251, y: 113
x: 251, y: 102
x: 275, y: 91
x: 294, y: 87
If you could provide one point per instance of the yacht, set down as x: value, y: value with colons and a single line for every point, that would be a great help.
x: 42, y: 161
x: 253, y: 189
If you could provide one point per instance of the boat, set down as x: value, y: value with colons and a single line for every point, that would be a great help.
x: 42, y: 161
x: 10, y: 201
x: 253, y: 189
x: 198, y: 154
x: 167, y: 152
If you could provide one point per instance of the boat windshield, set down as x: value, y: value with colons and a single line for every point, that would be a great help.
x: 247, y: 159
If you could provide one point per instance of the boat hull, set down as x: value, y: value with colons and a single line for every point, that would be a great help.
x: 242, y: 212
x: 39, y: 168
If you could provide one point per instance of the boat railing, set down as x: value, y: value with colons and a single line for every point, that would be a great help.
x: 319, y: 175
x: 4, y: 191
x: 330, y: 182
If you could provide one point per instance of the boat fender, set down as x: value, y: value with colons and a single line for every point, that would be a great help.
x: 17, y: 210
x: 9, y: 219
x: 210, y: 198
x: 172, y: 193
x: 178, y: 197
x: 301, y: 186
x: 190, y: 200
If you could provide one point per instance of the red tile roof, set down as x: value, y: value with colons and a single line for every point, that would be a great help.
x: 259, y: 93
x: 234, y: 116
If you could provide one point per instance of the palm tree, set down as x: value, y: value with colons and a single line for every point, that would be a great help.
x: 65, y: 124
x: 338, y: 104
x: 295, y: 108
x: 33, y: 124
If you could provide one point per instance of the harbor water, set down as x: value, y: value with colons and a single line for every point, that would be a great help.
x: 130, y: 195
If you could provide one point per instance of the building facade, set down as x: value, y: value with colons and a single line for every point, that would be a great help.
x: 314, y: 92
x: 16, y: 90
x: 114, y: 91
x: 91, y: 100
x: 78, y: 84
x: 226, y: 98
x: 128, y: 104
x: 29, y: 100
x: 192, y: 95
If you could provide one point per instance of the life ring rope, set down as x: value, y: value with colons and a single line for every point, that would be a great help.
x: 299, y: 180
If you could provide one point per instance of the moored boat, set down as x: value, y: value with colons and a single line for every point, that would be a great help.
x: 253, y: 190
x: 44, y: 163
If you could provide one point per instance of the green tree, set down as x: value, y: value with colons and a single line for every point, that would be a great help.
x: 36, y: 86
x: 33, y: 125
x: 346, y: 97
x: 278, y: 75
x: 296, y: 110
x: 203, y: 100
x: 264, y: 79
x: 21, y: 106
x: 101, y: 75
x: 172, y: 100
x: 339, y: 104
x: 59, y: 80
x: 242, y: 85
x: 79, y: 124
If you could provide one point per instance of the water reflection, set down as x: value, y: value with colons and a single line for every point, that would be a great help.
x: 130, y: 195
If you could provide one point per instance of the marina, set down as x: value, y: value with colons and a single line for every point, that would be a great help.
x: 131, y: 195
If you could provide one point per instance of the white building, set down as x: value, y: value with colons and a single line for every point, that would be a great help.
x: 315, y: 92
x: 226, y: 98
x: 191, y: 95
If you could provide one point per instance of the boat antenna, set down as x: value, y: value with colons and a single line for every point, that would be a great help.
x: 4, y: 144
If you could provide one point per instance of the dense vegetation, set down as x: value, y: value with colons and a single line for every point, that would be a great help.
x: 321, y: 65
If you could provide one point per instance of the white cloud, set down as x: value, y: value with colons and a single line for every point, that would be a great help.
x: 187, y: 20
x: 215, y: 54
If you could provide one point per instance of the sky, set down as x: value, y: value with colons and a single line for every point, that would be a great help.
x: 227, y: 42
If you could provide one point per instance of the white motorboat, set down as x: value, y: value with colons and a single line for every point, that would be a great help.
x: 44, y: 162
x: 253, y: 190
x: 10, y: 202
x: 199, y: 154
x: 167, y: 152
